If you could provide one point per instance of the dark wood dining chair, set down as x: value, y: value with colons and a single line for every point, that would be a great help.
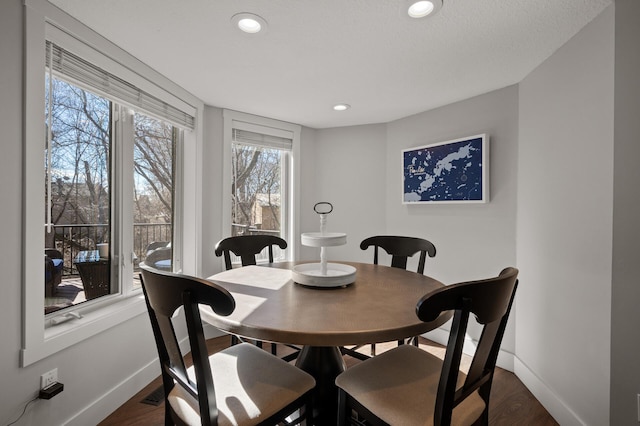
x: 241, y: 384
x: 401, y: 249
x: 409, y: 386
x: 247, y: 247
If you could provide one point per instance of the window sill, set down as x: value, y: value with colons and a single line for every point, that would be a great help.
x: 73, y: 331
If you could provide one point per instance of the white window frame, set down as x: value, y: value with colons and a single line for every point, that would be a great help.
x: 45, y: 22
x: 290, y: 203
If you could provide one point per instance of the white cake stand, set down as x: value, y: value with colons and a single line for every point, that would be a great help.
x: 323, y: 274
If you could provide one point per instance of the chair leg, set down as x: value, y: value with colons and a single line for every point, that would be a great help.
x: 274, y: 349
x: 373, y: 349
x: 342, y: 419
x: 234, y: 340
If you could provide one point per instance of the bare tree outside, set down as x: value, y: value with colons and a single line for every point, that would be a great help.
x: 153, y: 167
x: 154, y: 162
x: 256, y: 188
x: 79, y: 170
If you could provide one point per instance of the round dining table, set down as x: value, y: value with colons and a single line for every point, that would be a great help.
x: 379, y: 306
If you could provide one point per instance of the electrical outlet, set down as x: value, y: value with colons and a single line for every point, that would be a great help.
x: 49, y: 378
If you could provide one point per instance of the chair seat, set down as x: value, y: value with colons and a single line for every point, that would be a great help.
x: 58, y: 264
x: 251, y: 385
x: 400, y: 387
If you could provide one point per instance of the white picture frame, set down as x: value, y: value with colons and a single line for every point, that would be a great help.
x: 453, y: 171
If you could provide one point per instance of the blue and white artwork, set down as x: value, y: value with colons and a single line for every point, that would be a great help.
x: 452, y: 171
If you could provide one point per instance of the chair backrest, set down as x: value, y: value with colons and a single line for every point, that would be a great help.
x: 490, y: 301
x: 247, y: 247
x: 400, y: 249
x: 164, y: 293
x: 160, y: 257
x: 53, y: 253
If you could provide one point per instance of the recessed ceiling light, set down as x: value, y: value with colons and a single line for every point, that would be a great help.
x: 420, y: 9
x: 341, y: 107
x: 249, y: 22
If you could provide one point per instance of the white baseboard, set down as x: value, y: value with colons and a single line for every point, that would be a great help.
x: 115, y: 397
x: 549, y: 400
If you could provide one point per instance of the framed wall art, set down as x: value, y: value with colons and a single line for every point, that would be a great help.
x: 455, y: 171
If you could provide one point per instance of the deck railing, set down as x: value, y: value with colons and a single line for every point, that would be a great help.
x: 71, y: 239
x: 238, y: 229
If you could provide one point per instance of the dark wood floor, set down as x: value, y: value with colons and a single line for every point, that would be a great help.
x: 511, y: 402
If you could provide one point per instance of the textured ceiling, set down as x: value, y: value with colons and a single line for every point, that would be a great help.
x: 316, y: 53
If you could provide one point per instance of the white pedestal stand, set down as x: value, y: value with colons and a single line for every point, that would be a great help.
x: 323, y: 274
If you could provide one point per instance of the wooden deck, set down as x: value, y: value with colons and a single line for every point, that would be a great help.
x: 71, y: 292
x: 71, y: 289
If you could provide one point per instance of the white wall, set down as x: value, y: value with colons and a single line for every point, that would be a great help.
x: 308, y: 192
x: 10, y: 212
x: 212, y: 231
x: 472, y: 241
x: 565, y: 226
x: 363, y: 182
x: 461, y: 232
x: 564, y: 248
x: 625, y: 320
x: 99, y: 373
x: 350, y: 173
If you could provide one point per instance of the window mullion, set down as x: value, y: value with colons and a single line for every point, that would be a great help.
x: 123, y: 252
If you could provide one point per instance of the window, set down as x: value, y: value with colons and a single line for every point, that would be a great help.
x: 106, y: 185
x: 155, y: 144
x: 78, y: 195
x: 259, y: 166
x: 83, y: 130
x: 261, y: 178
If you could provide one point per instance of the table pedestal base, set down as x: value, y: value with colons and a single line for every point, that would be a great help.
x: 324, y: 363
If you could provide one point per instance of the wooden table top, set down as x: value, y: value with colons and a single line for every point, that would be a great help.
x: 379, y: 306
